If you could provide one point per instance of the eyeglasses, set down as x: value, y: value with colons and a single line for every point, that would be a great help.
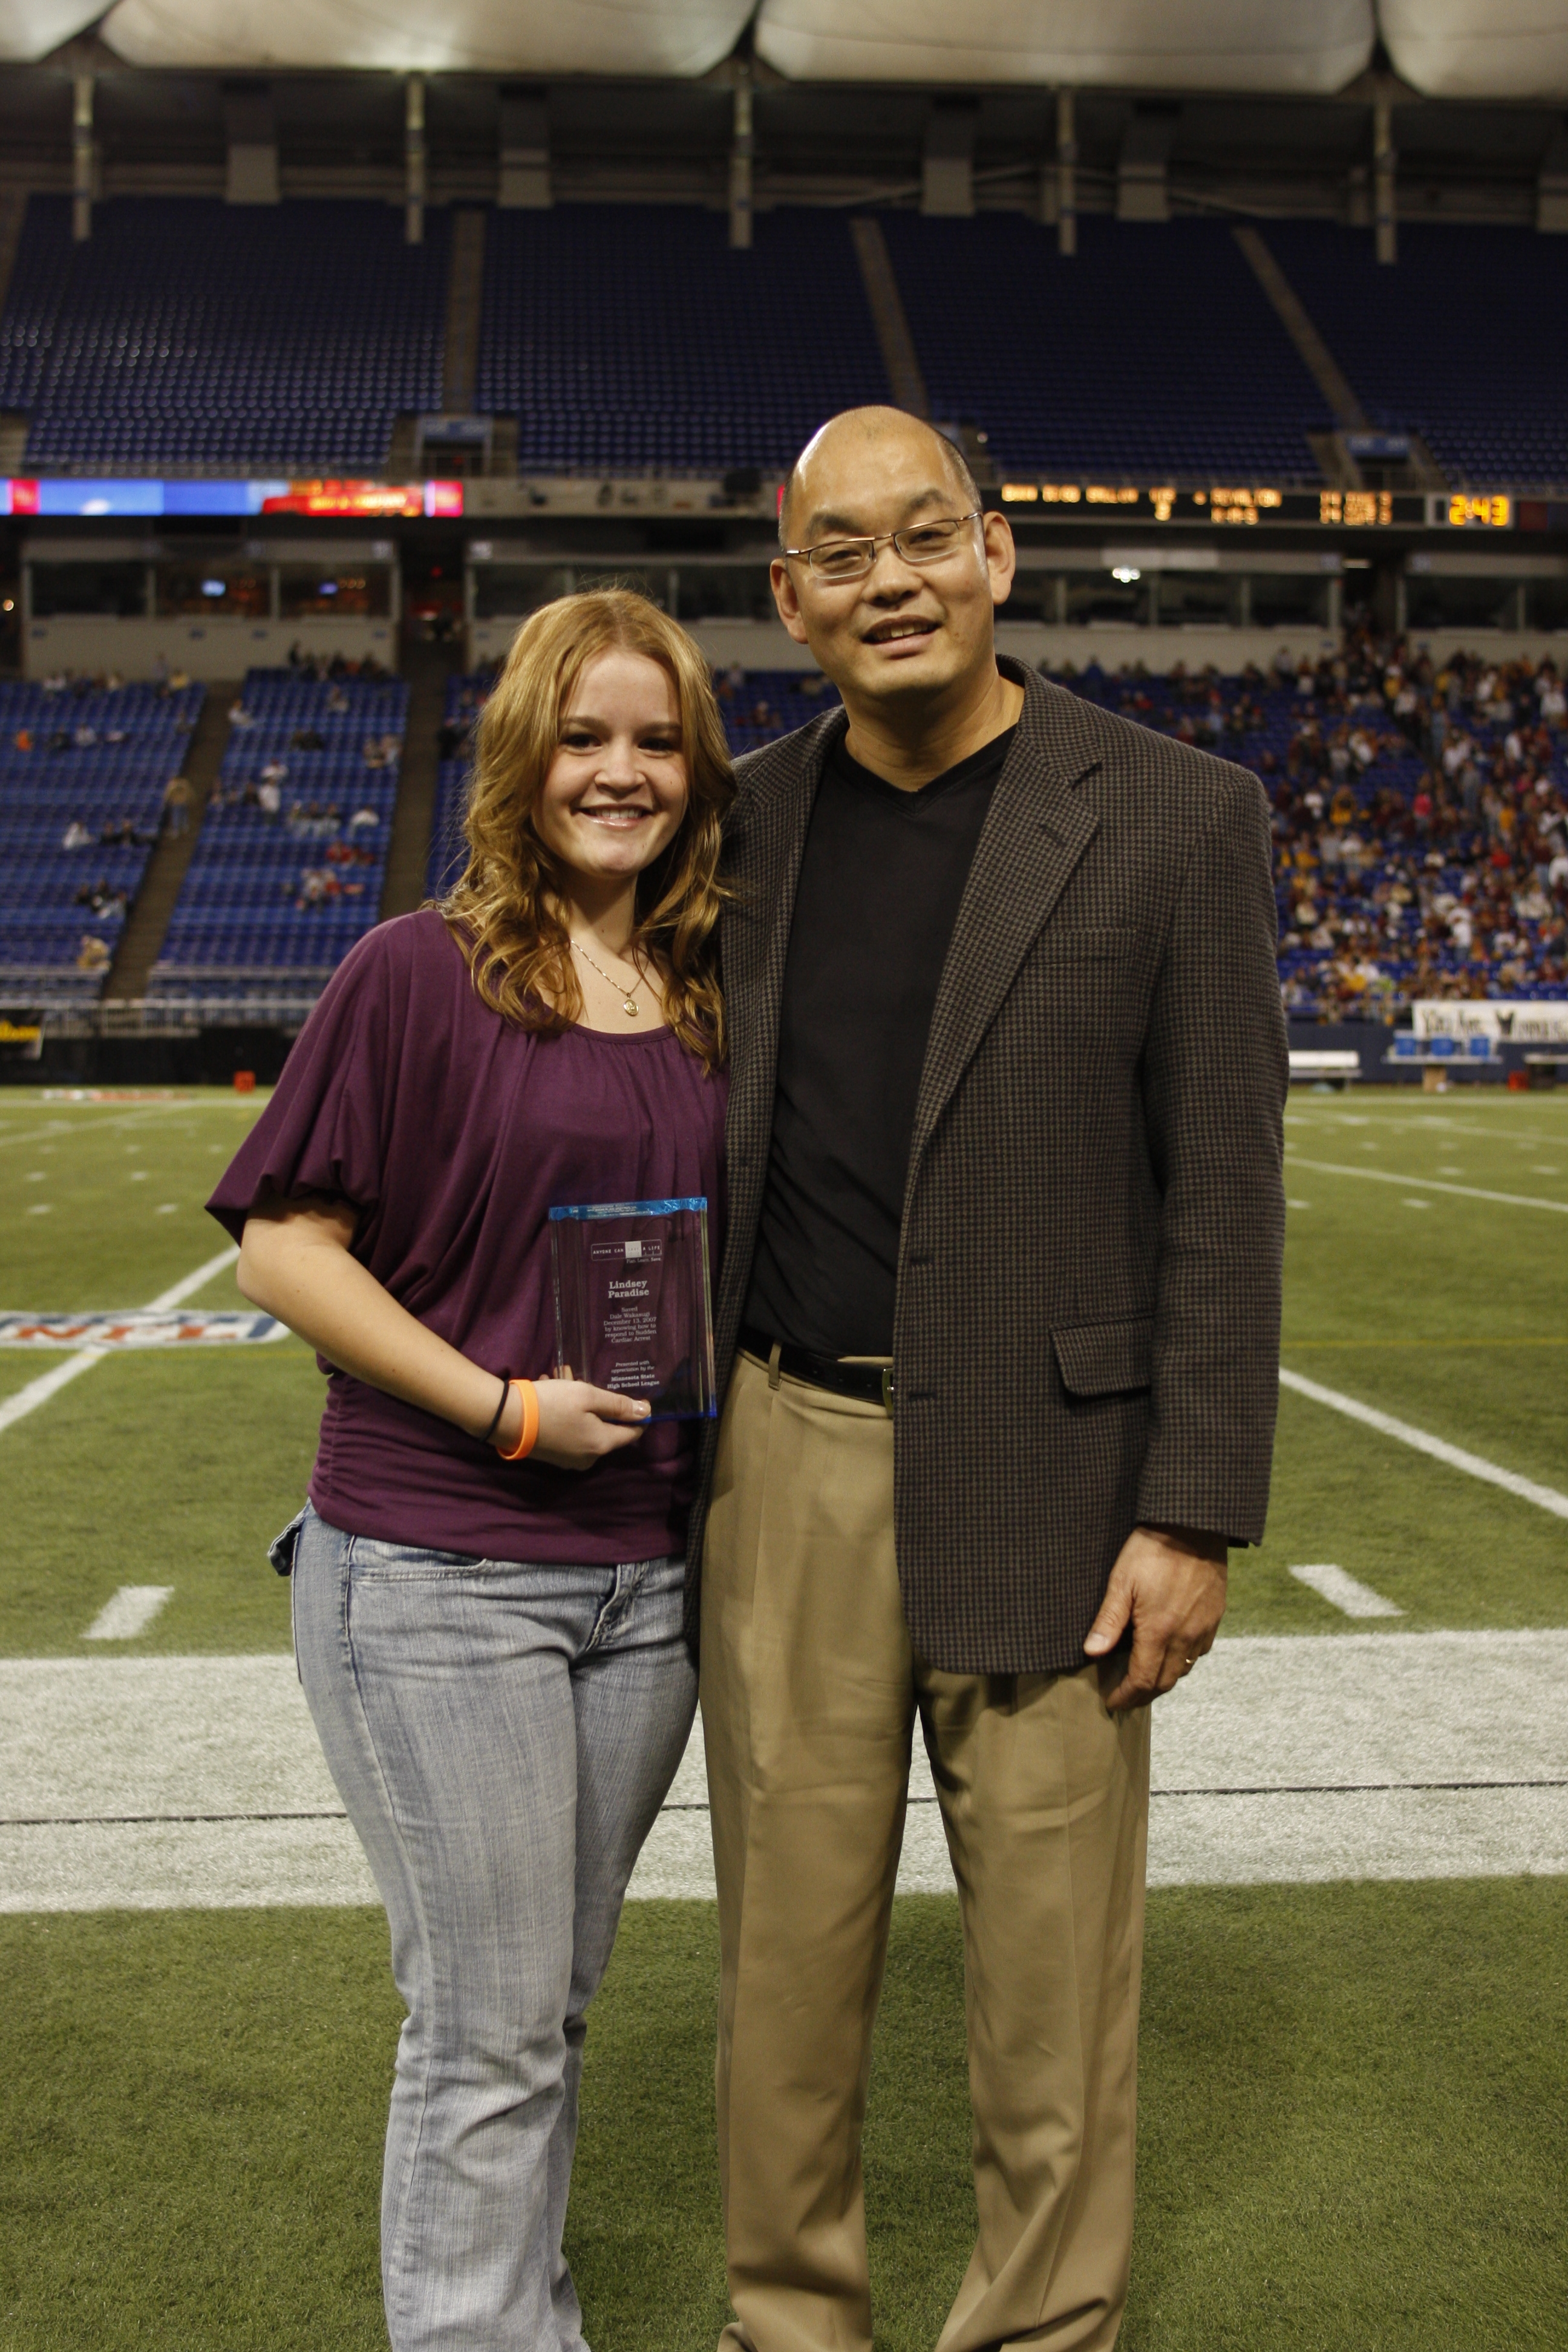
x: 851, y: 559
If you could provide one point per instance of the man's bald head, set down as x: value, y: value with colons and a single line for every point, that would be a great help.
x: 870, y: 432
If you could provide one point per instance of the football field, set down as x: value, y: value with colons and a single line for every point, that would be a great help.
x: 1353, y: 2070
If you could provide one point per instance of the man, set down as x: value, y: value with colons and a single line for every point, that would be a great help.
x: 998, y: 1314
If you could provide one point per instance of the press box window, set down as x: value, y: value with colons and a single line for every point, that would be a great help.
x: 310, y: 594
x: 1035, y: 596
x: 1188, y: 600
x: 1436, y: 601
x: 186, y: 591
x: 724, y: 591
x: 505, y: 592
x: 118, y: 591
x: 1101, y: 596
x: 1289, y: 600
x: 1546, y: 604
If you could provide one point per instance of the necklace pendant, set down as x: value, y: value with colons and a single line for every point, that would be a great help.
x: 628, y: 1008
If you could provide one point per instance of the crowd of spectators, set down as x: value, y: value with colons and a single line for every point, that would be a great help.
x: 1419, y: 807
x: 1419, y: 818
x: 323, y: 667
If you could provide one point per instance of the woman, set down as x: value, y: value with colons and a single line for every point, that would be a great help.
x: 488, y: 1575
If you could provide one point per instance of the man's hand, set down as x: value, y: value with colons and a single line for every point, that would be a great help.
x: 1169, y: 1584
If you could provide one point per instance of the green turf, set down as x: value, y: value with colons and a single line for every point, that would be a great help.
x: 159, y: 1467
x: 1445, y: 1548
x: 1351, y: 2140
x: 120, y: 1186
x: 153, y: 1471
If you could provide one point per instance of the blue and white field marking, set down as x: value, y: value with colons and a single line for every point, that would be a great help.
x: 142, y: 1327
x: 158, y: 1783
x: 82, y: 1358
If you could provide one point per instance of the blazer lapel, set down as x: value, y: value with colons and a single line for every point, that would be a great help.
x: 763, y: 868
x: 1036, y: 830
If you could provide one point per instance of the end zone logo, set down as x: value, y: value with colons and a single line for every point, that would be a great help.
x: 141, y: 1328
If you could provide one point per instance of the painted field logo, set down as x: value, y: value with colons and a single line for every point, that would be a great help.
x: 142, y: 1327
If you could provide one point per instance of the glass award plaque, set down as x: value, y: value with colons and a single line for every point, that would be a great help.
x: 632, y: 1306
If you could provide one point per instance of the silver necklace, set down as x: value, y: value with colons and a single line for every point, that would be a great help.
x: 629, y: 1005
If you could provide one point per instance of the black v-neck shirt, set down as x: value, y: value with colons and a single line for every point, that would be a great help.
x: 880, y: 882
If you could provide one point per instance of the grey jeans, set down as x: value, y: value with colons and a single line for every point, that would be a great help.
x: 503, y: 1736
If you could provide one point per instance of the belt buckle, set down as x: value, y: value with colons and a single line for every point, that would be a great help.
x: 887, y: 1390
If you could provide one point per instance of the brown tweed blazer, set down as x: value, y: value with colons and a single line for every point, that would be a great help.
x: 1088, y: 1322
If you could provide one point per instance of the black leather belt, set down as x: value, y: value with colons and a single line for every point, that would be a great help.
x: 871, y: 1382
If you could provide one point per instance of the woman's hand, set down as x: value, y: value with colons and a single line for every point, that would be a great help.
x: 577, y: 1424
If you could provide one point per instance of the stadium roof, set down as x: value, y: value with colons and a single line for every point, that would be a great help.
x: 1442, y: 48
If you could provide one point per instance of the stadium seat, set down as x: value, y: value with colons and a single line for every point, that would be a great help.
x: 190, y: 334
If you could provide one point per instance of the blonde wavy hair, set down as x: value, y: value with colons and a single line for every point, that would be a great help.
x: 503, y: 909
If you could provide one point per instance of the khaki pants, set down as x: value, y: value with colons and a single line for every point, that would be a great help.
x: 809, y: 1692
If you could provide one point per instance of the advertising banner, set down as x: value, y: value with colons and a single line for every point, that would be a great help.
x: 142, y: 496
x: 21, y: 1035
x: 1515, y: 1023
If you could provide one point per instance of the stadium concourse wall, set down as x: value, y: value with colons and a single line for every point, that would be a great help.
x: 87, y: 644
x: 213, y: 1057
x: 196, y: 1057
x: 756, y: 645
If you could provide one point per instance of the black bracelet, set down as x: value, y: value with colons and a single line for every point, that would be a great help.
x: 495, y: 1417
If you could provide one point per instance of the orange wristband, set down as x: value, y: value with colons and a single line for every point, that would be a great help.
x: 529, y: 1397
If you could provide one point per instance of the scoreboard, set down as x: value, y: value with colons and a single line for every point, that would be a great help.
x: 1231, y: 506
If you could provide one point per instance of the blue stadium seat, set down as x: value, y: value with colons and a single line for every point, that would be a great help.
x: 630, y: 337
x: 187, y: 333
x: 248, y: 913
x: 58, y: 781
x: 1152, y: 350
x: 1464, y: 339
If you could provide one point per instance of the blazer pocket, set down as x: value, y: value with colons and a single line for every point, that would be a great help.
x: 1104, y: 1359
x: 1087, y: 944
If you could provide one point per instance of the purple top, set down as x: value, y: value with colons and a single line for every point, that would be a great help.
x: 453, y: 1133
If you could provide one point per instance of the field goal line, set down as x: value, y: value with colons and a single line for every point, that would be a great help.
x: 37, y: 1392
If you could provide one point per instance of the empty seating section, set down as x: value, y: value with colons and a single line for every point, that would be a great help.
x: 1151, y: 351
x: 630, y: 338
x: 91, y: 766
x: 1464, y: 339
x: 186, y: 334
x: 288, y: 871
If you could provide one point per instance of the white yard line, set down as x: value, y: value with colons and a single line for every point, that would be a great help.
x: 130, y: 1613
x: 1445, y: 1122
x: 1427, y: 1185
x: 156, y: 1783
x: 135, y: 1116
x: 1343, y: 1591
x: 188, y: 1285
x: 48, y: 1384
x: 37, y: 1392
x: 1545, y: 1498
